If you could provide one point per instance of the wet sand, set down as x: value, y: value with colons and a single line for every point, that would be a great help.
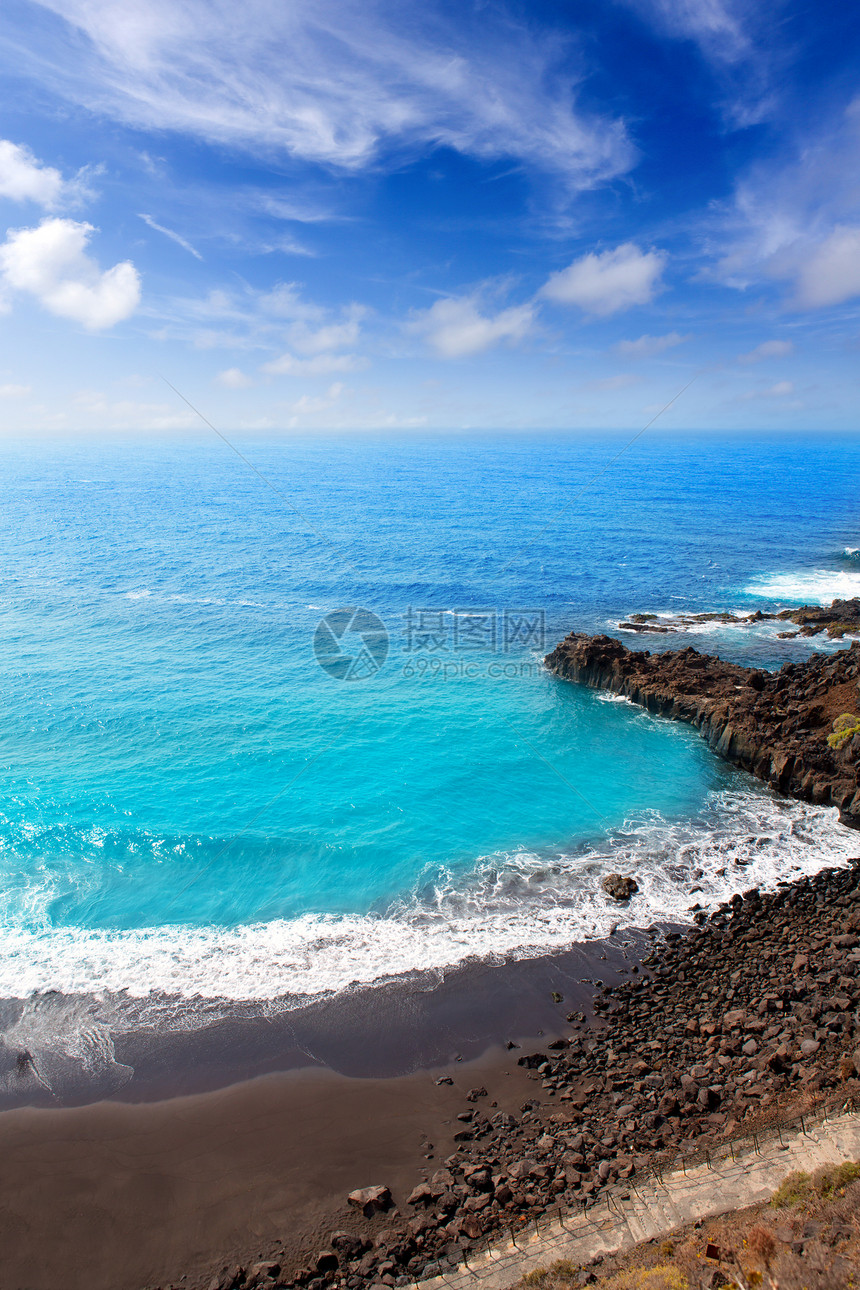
x: 119, y: 1197
x: 173, y: 1182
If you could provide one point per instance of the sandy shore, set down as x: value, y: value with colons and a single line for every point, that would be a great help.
x: 215, y: 1157
x: 121, y: 1196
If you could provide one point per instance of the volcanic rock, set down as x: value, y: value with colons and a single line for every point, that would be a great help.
x: 619, y: 887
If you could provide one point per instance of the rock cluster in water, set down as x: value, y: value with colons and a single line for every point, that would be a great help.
x: 753, y: 1016
x: 779, y: 726
x: 841, y: 618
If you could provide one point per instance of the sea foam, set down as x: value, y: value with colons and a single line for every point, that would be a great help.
x: 514, y: 905
x: 813, y: 587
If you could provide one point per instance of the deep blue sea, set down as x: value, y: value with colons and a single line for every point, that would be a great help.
x: 210, y: 799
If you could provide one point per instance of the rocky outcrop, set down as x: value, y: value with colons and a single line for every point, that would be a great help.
x: 779, y: 726
x: 841, y: 618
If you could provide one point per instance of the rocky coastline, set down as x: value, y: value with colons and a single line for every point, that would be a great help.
x: 750, y: 1018
x: 780, y: 726
x: 839, y: 619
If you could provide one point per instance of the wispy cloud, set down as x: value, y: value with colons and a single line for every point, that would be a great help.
x: 319, y: 365
x: 331, y: 81
x: 781, y: 390
x: 719, y: 27
x: 830, y: 273
x: 650, y: 346
x: 174, y: 237
x: 233, y: 378
x: 737, y: 39
x: 621, y: 381
x: 767, y: 349
x: 607, y: 282
x: 794, y: 219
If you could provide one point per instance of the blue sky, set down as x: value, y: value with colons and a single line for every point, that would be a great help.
x: 329, y: 214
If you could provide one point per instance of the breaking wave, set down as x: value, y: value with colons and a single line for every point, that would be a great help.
x: 815, y: 587
x: 518, y: 904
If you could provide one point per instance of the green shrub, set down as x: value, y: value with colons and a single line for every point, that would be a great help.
x: 794, y: 1189
x: 833, y: 1180
x: 844, y: 728
x: 537, y: 1278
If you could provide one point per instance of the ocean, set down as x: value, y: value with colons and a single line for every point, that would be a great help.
x: 274, y: 734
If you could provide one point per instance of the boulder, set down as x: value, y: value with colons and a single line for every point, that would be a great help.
x: 619, y: 886
x: 347, y: 1245
x: 370, y: 1200
x: 265, y: 1270
x: 423, y: 1194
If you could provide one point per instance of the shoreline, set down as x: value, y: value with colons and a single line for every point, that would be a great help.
x: 228, y: 1161
x: 188, y: 1191
x: 384, y: 1031
x: 207, y: 1160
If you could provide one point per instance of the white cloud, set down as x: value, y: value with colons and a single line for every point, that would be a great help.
x: 174, y: 237
x: 319, y: 365
x: 311, y: 403
x: 604, y: 283
x: 831, y: 273
x: 14, y: 391
x: 739, y: 41
x: 781, y: 390
x: 24, y: 179
x: 716, y: 25
x: 95, y: 410
x: 285, y: 301
x: 794, y: 218
x: 649, y: 346
x: 333, y: 81
x: 768, y: 349
x: 288, y: 246
x: 50, y: 263
x: 456, y: 328
x: 233, y: 378
x: 271, y: 321
x: 340, y: 335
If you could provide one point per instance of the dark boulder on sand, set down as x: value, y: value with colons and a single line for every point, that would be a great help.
x: 370, y: 1199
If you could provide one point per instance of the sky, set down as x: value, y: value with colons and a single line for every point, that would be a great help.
x: 326, y: 214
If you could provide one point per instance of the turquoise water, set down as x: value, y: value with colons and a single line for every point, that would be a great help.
x: 194, y: 807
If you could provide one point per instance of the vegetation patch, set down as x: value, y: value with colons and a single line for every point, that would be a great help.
x: 844, y: 728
